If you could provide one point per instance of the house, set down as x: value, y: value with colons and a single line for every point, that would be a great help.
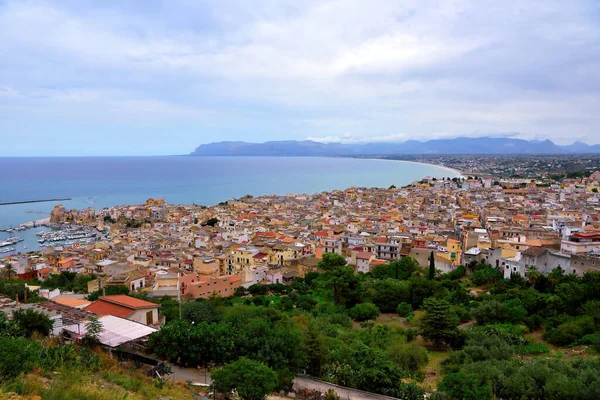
x: 205, y: 287
x: 206, y: 265
x: 363, y: 260
x: 127, y: 307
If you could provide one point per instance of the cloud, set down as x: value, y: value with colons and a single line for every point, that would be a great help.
x: 310, y: 68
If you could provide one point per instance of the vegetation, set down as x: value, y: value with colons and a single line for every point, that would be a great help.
x: 252, y: 380
x: 467, y: 334
x: 68, y: 282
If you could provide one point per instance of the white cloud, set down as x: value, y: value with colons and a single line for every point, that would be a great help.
x: 313, y: 68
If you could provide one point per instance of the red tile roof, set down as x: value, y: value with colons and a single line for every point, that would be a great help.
x: 104, y: 308
x: 363, y: 255
x: 128, y: 301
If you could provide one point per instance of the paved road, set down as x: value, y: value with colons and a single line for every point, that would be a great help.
x: 345, y: 393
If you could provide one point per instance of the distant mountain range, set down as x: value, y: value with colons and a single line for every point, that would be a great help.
x: 461, y: 145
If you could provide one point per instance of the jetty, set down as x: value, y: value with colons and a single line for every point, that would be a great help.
x: 35, y: 201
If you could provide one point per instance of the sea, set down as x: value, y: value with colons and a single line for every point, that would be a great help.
x: 100, y: 182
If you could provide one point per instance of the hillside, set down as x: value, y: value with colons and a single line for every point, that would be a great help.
x: 461, y: 145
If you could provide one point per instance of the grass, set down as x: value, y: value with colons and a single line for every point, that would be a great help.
x: 113, y: 381
x: 433, y: 370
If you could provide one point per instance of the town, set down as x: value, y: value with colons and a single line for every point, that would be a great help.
x: 141, y: 255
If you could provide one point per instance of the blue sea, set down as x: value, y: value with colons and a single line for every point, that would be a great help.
x: 108, y: 181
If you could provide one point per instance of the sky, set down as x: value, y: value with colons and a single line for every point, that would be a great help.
x: 149, y: 77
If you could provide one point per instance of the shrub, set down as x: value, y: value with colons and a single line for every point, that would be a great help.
x: 457, y: 273
x: 17, y: 355
x: 465, y: 387
x: 404, y: 309
x: 571, y: 331
x: 364, y: 312
x: 485, y: 274
x: 408, y: 355
x: 31, y: 321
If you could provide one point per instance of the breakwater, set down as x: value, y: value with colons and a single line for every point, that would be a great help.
x: 35, y: 201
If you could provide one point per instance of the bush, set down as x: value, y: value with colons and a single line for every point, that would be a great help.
x: 31, y: 321
x: 571, y: 331
x: 457, y: 273
x: 485, y: 274
x: 407, y: 355
x: 17, y: 355
x: 463, y: 386
x: 404, y: 309
x: 364, y: 312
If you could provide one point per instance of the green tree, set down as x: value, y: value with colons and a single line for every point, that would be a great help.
x: 331, y: 261
x: 109, y: 290
x: 211, y: 222
x: 314, y: 348
x: 440, y: 324
x: 344, y: 284
x: 31, y: 321
x: 251, y: 379
x: 9, y: 271
x: 364, y: 312
x: 431, y: 274
x: 461, y: 386
x: 200, y: 311
x: 404, y: 309
x: 93, y: 330
x: 532, y: 274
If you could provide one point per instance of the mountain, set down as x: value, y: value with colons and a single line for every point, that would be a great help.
x: 460, y: 145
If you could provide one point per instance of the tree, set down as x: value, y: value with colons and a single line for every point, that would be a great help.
x: 440, y: 324
x: 200, y: 311
x: 251, y: 379
x: 93, y: 329
x: 461, y: 386
x: 364, y: 312
x: 211, y: 222
x: 31, y: 321
x: 532, y: 274
x: 404, y: 309
x: 431, y: 266
x: 9, y: 271
x: 109, y: 290
x: 331, y: 261
x: 314, y: 347
x: 344, y: 284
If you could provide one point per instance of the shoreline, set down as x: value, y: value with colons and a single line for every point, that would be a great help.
x: 453, y: 170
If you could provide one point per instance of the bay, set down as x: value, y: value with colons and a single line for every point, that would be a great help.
x: 100, y: 182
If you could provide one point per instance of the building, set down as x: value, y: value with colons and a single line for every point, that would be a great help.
x: 207, y: 286
x: 127, y: 307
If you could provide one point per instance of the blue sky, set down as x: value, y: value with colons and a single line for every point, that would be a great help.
x: 149, y: 77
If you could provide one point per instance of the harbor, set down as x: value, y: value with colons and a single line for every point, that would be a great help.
x: 39, y: 234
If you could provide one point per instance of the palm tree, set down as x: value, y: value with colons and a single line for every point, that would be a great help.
x: 532, y: 274
x: 9, y: 271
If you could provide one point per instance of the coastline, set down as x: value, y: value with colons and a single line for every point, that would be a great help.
x: 184, y: 183
x: 453, y: 170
